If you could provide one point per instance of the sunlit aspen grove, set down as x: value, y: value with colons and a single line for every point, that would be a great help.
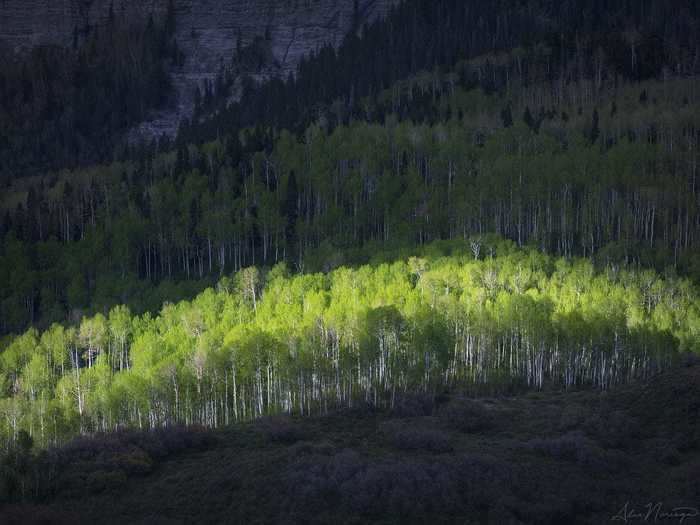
x: 456, y: 314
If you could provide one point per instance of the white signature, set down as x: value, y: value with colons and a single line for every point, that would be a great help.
x: 654, y: 512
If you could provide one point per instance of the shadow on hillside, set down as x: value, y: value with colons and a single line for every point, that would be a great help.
x: 547, y: 457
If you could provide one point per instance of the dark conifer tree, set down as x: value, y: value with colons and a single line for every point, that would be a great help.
x: 528, y: 118
x: 595, y: 127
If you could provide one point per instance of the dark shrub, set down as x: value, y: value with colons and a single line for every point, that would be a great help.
x: 468, y: 415
x: 135, y: 462
x: 686, y: 477
x: 413, y: 405
x: 35, y: 515
x: 313, y: 481
x: 280, y: 429
x: 103, y: 461
x: 576, y: 447
x: 410, y: 437
x: 482, y: 479
x: 160, y: 443
x: 420, y: 439
x: 688, y: 440
x: 359, y: 409
x: 665, y: 450
x: 572, y: 416
x: 501, y: 515
x: 570, y: 446
x: 613, y: 429
x: 105, y: 480
x: 391, y: 489
x: 308, y: 448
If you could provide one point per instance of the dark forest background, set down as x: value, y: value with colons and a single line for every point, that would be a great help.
x: 463, y: 200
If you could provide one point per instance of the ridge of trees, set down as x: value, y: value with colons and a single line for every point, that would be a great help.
x: 121, y: 71
x: 169, y: 224
x: 458, y: 313
x: 547, y: 41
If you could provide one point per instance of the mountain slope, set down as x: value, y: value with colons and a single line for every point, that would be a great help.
x: 207, y: 31
x: 575, y: 457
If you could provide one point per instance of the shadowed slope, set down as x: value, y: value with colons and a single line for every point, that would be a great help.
x: 551, y: 457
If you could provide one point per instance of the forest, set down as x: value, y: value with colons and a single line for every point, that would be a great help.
x: 585, y: 144
x: 624, y: 191
x: 478, y: 314
x: 65, y: 107
x: 464, y: 200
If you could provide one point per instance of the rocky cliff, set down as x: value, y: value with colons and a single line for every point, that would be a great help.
x: 207, y: 32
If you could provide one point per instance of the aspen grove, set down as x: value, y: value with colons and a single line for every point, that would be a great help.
x: 455, y: 314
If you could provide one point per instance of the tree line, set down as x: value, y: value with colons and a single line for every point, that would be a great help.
x: 512, y: 43
x: 616, y: 181
x: 554, y: 141
x: 265, y: 341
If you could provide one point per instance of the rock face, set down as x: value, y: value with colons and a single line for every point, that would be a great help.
x: 207, y: 32
x: 25, y: 24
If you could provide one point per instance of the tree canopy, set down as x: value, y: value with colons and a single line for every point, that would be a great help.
x: 270, y: 341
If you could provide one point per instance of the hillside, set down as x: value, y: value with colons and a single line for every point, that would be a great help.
x: 208, y: 34
x: 550, y: 457
x: 419, y: 261
x: 271, y: 342
x: 442, y: 166
x: 581, y: 146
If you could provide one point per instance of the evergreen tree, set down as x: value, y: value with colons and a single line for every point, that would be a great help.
x: 507, y: 117
x: 528, y: 119
x: 595, y: 127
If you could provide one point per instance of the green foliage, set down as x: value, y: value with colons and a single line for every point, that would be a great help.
x: 162, y: 229
x: 425, y: 178
x: 276, y: 342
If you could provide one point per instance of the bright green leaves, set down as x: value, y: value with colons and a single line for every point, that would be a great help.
x: 262, y: 343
